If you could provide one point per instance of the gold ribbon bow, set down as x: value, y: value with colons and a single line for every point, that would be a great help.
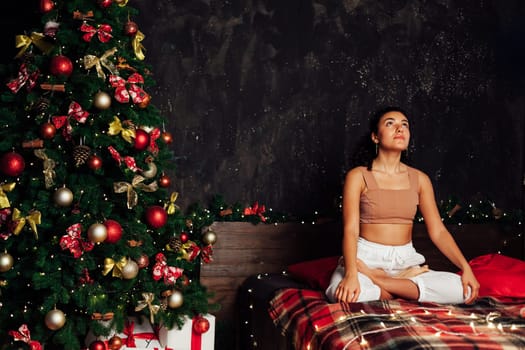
x: 4, y: 201
x: 122, y: 3
x: 34, y: 218
x: 49, y: 167
x: 148, y: 302
x: 137, y: 45
x: 37, y: 39
x: 116, y: 266
x: 115, y: 127
x: 91, y: 61
x: 171, y: 207
x: 129, y: 188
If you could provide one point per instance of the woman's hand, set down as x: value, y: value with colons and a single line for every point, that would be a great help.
x: 469, y: 280
x: 348, y: 289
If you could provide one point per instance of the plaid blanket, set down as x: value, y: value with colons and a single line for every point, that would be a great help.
x: 316, y: 324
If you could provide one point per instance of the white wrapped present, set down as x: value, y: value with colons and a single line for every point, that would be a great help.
x: 137, y: 335
x: 197, y: 333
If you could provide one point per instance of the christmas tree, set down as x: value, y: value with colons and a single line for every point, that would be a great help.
x: 89, y: 228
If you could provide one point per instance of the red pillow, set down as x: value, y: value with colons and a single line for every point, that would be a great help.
x: 499, y: 275
x: 315, y: 273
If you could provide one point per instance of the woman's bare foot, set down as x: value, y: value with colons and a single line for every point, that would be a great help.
x: 412, y: 271
x: 373, y: 274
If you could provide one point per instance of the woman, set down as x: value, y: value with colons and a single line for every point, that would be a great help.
x: 379, y: 205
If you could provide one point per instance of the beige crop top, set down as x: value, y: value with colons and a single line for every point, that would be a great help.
x: 384, y: 206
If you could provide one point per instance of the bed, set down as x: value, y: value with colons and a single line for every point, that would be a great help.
x: 287, y: 310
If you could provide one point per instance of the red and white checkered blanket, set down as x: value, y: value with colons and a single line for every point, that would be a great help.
x: 316, y: 324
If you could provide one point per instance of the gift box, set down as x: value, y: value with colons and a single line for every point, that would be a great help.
x: 137, y: 335
x: 197, y: 333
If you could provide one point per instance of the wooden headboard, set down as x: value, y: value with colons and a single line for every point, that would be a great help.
x: 244, y: 249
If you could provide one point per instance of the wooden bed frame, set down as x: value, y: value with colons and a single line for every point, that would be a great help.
x: 244, y: 249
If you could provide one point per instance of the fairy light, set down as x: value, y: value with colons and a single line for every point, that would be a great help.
x: 363, y: 341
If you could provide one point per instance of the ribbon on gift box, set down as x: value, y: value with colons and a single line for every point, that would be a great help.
x: 196, y: 337
x: 130, y: 340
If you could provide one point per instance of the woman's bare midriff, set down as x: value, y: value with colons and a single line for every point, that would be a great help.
x: 387, y: 234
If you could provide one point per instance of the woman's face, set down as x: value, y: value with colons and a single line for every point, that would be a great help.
x: 393, y: 132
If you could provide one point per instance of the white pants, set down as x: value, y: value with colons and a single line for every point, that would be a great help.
x: 434, y: 286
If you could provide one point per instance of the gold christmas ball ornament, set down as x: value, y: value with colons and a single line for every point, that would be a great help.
x: 175, y: 299
x: 102, y: 100
x: 55, y: 319
x: 209, y: 237
x: 97, y: 233
x: 130, y: 270
x: 63, y: 197
x: 6, y: 262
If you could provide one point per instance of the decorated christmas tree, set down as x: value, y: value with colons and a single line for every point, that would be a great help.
x: 90, y: 232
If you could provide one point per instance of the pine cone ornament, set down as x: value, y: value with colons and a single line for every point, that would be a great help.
x: 174, y: 244
x: 81, y: 154
x: 41, y: 105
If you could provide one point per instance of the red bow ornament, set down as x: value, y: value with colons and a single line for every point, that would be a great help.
x: 256, y: 210
x: 103, y: 32
x: 206, y: 254
x: 73, y: 241
x: 24, y: 335
x: 24, y: 77
x: 126, y: 89
x: 76, y: 112
x: 162, y: 270
x: 130, y: 161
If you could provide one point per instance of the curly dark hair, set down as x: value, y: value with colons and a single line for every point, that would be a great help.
x: 366, y: 151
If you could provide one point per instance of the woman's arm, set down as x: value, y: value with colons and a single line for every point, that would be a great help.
x: 348, y: 289
x: 441, y: 237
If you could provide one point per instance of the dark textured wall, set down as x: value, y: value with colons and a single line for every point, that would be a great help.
x: 266, y: 99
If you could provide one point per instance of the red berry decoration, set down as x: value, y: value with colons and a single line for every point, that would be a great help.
x: 97, y: 345
x: 156, y: 216
x: 131, y: 28
x: 184, y: 237
x: 142, y: 139
x: 94, y: 162
x: 48, y: 130
x: 12, y: 164
x: 114, y: 231
x: 105, y: 3
x: 61, y: 66
x: 46, y: 6
x: 201, y: 325
x: 164, y: 181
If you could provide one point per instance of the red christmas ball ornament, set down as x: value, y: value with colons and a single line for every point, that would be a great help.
x: 105, y: 3
x: 46, y: 6
x: 97, y: 345
x: 142, y: 261
x: 131, y: 28
x: 48, y: 130
x: 12, y: 164
x: 184, y: 237
x: 114, y: 231
x: 94, y: 162
x: 166, y: 137
x: 164, y: 181
x: 145, y: 102
x: 61, y: 66
x: 201, y: 325
x: 142, y: 139
x: 156, y: 216
x: 115, y: 343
